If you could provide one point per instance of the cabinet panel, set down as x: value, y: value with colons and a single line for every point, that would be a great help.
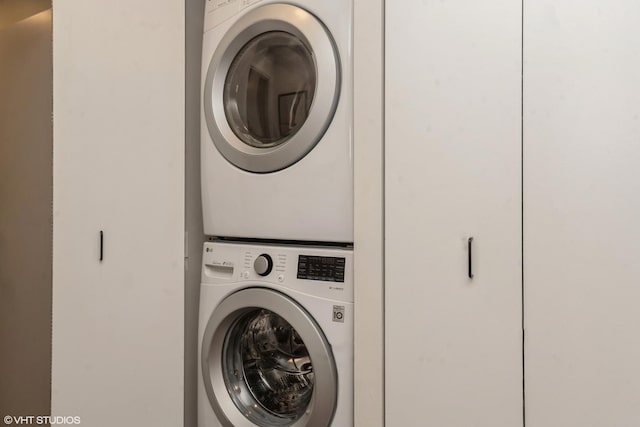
x: 581, y: 210
x: 453, y: 170
x: 118, y: 167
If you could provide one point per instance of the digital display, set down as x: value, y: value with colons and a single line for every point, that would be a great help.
x: 325, y: 268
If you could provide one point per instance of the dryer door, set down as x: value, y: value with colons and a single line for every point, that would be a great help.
x: 266, y: 362
x: 271, y: 88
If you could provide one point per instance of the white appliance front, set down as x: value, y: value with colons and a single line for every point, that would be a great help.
x: 277, y: 152
x: 275, y: 336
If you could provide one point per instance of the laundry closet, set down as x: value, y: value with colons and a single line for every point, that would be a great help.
x: 494, y: 274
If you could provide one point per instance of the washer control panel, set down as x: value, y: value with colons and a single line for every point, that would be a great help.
x: 326, y: 268
x: 322, y: 271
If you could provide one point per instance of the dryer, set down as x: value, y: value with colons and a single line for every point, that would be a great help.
x: 275, y: 336
x: 277, y: 149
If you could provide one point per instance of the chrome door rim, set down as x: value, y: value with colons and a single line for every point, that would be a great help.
x: 324, y: 397
x: 307, y: 28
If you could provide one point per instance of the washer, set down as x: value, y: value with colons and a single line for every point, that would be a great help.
x: 275, y: 336
x: 277, y: 146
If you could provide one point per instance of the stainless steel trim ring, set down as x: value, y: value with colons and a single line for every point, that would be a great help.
x: 313, y: 34
x: 325, y: 380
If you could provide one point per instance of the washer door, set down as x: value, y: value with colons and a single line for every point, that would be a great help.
x: 266, y: 362
x: 271, y: 88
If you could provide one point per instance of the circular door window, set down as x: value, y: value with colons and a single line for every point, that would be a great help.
x: 269, y: 365
x: 271, y: 88
x: 265, y: 361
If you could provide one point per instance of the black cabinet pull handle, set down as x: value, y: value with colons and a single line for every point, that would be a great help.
x: 101, y: 245
x: 470, y: 254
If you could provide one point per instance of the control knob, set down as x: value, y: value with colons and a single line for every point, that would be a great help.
x: 263, y: 265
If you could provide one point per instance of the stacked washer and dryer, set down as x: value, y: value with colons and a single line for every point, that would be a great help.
x: 276, y: 300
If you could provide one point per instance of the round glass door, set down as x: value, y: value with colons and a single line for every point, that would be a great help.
x: 266, y: 362
x: 271, y: 88
x: 267, y: 368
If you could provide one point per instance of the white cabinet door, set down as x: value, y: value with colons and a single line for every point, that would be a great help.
x: 453, y: 171
x: 118, y: 167
x: 582, y: 212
